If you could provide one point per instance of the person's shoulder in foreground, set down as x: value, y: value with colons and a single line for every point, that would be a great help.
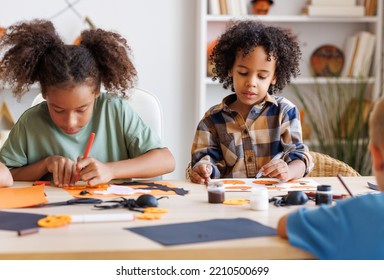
x: 352, y: 229
x: 252, y: 131
x: 71, y: 77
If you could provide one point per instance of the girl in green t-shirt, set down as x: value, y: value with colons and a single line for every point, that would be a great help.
x: 70, y: 77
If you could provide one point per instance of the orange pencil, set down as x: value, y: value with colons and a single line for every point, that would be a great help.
x: 87, y: 150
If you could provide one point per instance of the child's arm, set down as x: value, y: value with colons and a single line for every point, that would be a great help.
x: 6, y: 179
x: 282, y: 227
x: 153, y: 163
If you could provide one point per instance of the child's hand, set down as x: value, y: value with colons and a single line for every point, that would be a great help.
x: 201, y: 174
x: 63, y: 170
x: 93, y: 171
x: 277, y: 168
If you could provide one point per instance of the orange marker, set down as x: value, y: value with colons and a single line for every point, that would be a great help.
x: 87, y: 150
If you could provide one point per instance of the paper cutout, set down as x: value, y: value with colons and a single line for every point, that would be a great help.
x: 121, y: 190
x: 155, y: 210
x: 53, y: 221
x: 238, y: 187
x: 165, y: 187
x: 204, y: 231
x: 154, y: 188
x: 18, y: 221
x: 232, y: 181
x: 265, y: 182
x: 22, y: 197
x: 236, y: 201
x: 373, y: 186
x: 149, y: 216
x: 247, y: 184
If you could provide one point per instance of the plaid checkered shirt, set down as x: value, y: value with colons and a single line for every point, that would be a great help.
x: 238, y: 148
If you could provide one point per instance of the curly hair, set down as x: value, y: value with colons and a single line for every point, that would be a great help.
x: 34, y: 52
x: 245, y: 36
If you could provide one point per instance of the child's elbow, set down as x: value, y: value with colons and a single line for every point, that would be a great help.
x: 6, y: 178
x: 171, y: 162
x: 9, y: 180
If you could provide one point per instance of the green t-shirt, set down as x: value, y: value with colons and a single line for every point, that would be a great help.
x: 120, y: 134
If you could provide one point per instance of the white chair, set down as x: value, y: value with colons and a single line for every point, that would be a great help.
x: 146, y: 104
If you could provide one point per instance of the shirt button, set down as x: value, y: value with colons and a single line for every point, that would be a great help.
x: 249, y: 159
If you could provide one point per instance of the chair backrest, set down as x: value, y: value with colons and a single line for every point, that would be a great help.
x: 326, y: 166
x: 146, y: 104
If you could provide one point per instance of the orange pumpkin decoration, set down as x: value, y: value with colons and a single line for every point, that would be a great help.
x: 261, y: 7
x: 2, y: 31
x: 77, y: 41
x: 210, y: 65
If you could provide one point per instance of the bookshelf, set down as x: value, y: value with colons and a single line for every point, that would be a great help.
x: 312, y: 32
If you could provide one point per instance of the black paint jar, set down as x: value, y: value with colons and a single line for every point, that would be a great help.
x: 324, y: 194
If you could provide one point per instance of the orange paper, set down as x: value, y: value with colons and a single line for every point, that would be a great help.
x: 22, y: 197
x: 90, y: 191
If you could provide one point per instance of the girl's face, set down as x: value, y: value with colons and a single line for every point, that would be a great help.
x: 71, y: 107
x: 252, y: 76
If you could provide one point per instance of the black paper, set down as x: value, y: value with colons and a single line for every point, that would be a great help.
x: 18, y: 221
x: 204, y: 231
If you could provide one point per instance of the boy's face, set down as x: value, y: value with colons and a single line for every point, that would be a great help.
x: 71, y: 107
x: 252, y: 76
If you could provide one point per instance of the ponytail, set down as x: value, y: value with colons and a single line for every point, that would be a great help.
x: 27, y: 44
x: 111, y: 52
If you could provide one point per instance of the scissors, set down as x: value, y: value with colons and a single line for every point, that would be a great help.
x: 72, y: 202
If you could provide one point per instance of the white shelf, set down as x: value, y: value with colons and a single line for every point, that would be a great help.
x: 311, y: 31
x: 298, y: 18
x: 311, y: 81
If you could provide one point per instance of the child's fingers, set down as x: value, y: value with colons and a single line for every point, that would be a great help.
x: 73, y: 175
x: 275, y: 168
x: 201, y: 174
x: 208, y: 171
x: 55, y: 173
x: 196, y: 177
x: 203, y: 170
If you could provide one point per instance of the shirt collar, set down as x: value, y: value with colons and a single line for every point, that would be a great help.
x: 224, y: 105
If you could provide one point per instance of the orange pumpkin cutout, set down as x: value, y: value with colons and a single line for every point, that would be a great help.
x: 261, y: 7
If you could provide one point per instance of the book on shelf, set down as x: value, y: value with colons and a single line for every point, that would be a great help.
x: 332, y: 2
x: 370, y: 7
x: 335, y: 11
x: 227, y: 7
x: 223, y: 7
x: 364, y: 54
x: 359, y: 50
x: 214, y: 7
x: 349, y: 55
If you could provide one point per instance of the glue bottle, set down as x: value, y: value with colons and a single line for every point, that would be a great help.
x: 259, y: 199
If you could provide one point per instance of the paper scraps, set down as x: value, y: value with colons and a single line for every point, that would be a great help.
x: 121, y: 190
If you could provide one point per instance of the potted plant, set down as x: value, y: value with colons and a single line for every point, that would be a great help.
x: 338, y: 115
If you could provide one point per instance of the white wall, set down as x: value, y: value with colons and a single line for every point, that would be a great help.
x: 162, y: 36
